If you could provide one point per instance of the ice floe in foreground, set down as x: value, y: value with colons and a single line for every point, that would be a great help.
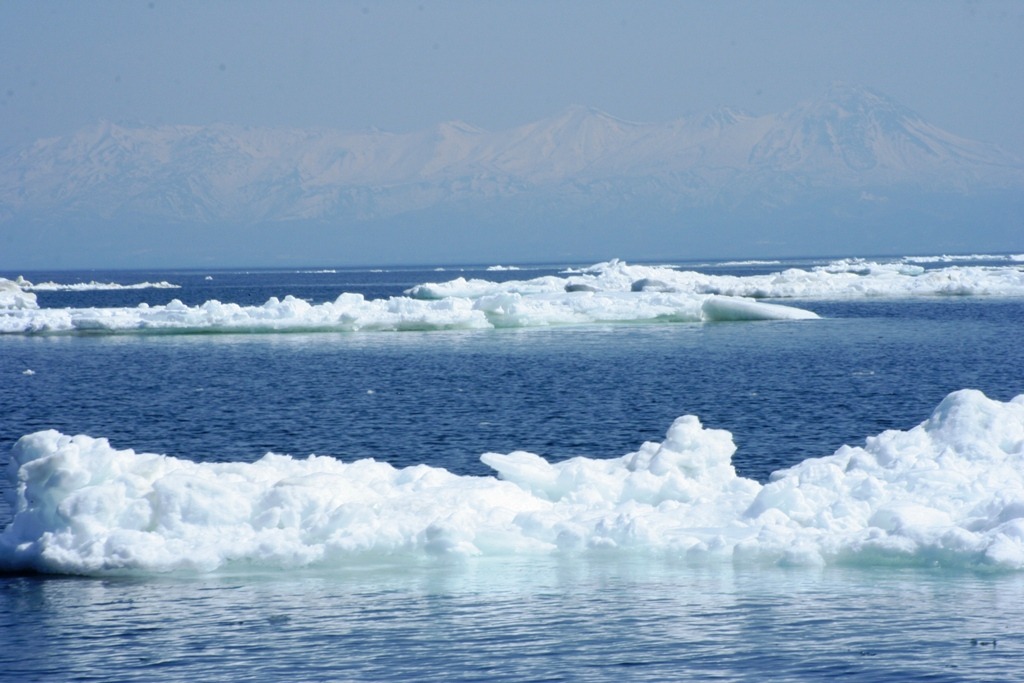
x: 949, y: 492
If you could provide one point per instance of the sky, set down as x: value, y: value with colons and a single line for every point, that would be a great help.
x: 402, y: 66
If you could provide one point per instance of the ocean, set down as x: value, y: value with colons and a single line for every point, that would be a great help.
x: 732, y: 471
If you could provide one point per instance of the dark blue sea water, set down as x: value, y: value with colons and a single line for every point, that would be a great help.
x: 786, y: 390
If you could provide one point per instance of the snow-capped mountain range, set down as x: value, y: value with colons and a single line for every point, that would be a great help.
x: 851, y: 143
x: 850, y: 138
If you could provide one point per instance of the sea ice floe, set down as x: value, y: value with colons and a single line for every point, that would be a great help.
x: 613, y: 291
x: 92, y: 286
x: 14, y: 297
x: 840, y: 279
x: 948, y: 493
x: 352, y: 313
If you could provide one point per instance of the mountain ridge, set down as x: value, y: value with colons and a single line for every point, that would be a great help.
x: 850, y: 137
x: 580, y: 164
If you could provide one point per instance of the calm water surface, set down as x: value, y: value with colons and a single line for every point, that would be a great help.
x: 542, y: 622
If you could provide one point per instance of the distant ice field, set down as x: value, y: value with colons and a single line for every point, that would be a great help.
x: 608, y: 292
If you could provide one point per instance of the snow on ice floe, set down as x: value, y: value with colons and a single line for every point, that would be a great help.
x: 948, y: 493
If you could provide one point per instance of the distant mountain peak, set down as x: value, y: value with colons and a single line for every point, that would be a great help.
x: 853, y: 132
x: 850, y: 99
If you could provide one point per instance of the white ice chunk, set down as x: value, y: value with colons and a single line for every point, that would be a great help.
x: 949, y: 492
x: 14, y: 294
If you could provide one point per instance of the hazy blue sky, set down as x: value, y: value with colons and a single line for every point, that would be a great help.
x: 407, y: 65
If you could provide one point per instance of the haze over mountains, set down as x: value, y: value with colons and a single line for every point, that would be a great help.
x: 852, y: 170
